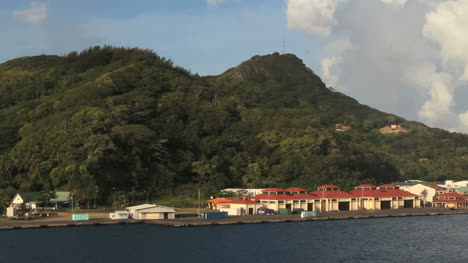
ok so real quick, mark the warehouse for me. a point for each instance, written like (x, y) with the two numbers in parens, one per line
(148, 211)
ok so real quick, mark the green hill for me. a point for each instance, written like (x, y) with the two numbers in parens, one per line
(116, 120)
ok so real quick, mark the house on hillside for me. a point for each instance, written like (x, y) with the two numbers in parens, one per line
(393, 128)
(342, 127)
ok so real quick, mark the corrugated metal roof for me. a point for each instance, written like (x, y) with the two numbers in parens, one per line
(140, 206)
(157, 209)
(61, 196)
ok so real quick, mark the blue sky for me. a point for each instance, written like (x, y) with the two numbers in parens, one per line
(205, 38)
(406, 57)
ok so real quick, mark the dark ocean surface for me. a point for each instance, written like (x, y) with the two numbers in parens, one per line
(400, 239)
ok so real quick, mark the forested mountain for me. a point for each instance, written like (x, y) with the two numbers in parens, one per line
(126, 120)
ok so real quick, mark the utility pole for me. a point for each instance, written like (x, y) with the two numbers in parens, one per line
(198, 210)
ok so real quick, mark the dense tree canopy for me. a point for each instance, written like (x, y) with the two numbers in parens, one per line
(116, 119)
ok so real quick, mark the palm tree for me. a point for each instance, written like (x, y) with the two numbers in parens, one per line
(424, 195)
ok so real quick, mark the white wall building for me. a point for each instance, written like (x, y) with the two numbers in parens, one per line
(244, 191)
(418, 189)
(148, 211)
(451, 183)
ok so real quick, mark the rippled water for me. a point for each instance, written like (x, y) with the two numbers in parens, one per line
(403, 239)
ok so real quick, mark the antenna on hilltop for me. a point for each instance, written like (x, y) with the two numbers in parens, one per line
(284, 46)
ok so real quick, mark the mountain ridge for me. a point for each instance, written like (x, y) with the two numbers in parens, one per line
(127, 120)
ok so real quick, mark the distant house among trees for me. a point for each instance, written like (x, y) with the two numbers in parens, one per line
(342, 127)
(393, 128)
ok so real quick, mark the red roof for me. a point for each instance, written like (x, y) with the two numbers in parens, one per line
(389, 185)
(273, 190)
(450, 201)
(330, 194)
(273, 197)
(303, 196)
(451, 194)
(246, 202)
(223, 200)
(437, 187)
(295, 189)
(327, 186)
(365, 186)
(381, 193)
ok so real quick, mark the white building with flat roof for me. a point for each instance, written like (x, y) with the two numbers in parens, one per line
(151, 211)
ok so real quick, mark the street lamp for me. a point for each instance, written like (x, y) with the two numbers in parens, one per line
(94, 197)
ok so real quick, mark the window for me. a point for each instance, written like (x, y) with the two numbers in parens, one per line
(353, 199)
(303, 201)
(296, 201)
(333, 200)
(264, 201)
(316, 200)
(376, 199)
(272, 202)
(281, 202)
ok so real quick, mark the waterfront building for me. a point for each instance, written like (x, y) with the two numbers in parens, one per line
(151, 211)
(246, 207)
(451, 183)
(31, 200)
(331, 198)
(243, 191)
(325, 199)
(221, 202)
(386, 196)
(451, 200)
(276, 199)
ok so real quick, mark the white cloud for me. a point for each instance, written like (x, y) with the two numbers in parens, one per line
(447, 26)
(437, 111)
(34, 15)
(410, 61)
(315, 17)
(395, 2)
(327, 67)
(463, 117)
(214, 2)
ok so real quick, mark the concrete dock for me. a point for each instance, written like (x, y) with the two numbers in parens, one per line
(249, 219)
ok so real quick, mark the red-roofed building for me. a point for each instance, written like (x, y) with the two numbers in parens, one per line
(389, 186)
(246, 207)
(220, 202)
(328, 187)
(377, 199)
(438, 189)
(365, 186)
(451, 200)
(295, 190)
(326, 198)
(273, 191)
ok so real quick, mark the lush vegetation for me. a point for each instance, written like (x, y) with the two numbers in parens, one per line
(125, 122)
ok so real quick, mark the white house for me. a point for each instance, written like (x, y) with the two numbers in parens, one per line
(30, 199)
(418, 189)
(148, 211)
(451, 183)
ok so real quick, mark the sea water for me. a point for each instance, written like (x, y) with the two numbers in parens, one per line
(399, 239)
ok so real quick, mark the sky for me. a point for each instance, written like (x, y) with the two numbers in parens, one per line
(407, 57)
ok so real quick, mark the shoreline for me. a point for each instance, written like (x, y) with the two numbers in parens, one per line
(249, 219)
